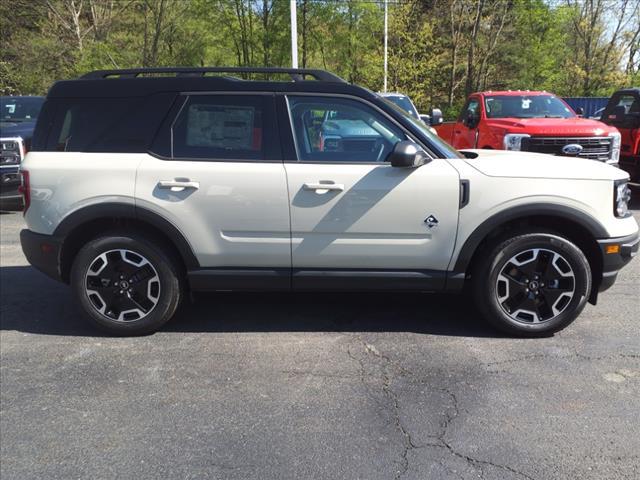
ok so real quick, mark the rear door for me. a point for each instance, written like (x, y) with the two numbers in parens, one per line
(217, 175)
(358, 222)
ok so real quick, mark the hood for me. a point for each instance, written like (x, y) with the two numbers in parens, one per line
(553, 127)
(17, 129)
(506, 163)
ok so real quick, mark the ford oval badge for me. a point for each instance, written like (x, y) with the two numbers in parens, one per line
(572, 149)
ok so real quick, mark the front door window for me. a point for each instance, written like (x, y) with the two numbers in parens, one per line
(341, 130)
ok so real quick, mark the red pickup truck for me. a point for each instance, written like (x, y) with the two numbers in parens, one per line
(623, 112)
(530, 121)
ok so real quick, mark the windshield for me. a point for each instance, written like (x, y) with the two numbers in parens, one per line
(404, 103)
(20, 109)
(525, 106)
(425, 130)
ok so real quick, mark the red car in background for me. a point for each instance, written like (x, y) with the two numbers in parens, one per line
(530, 121)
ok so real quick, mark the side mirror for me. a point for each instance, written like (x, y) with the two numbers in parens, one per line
(425, 118)
(436, 116)
(407, 154)
(580, 111)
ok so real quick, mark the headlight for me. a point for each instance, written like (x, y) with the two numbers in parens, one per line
(11, 151)
(513, 141)
(616, 140)
(621, 198)
(9, 145)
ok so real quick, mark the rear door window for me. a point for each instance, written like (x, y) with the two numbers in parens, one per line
(224, 127)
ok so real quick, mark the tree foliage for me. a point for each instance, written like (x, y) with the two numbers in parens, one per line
(439, 50)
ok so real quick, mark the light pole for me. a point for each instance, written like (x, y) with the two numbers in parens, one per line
(384, 88)
(294, 35)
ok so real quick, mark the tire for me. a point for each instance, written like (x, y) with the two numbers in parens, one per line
(531, 284)
(126, 284)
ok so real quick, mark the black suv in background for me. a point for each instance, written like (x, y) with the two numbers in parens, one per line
(18, 117)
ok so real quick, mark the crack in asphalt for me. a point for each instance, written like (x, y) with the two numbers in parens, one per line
(580, 356)
(311, 373)
(449, 418)
(440, 441)
(386, 377)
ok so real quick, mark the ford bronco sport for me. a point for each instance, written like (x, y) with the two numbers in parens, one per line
(144, 184)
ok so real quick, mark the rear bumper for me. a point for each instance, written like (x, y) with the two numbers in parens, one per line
(612, 263)
(43, 252)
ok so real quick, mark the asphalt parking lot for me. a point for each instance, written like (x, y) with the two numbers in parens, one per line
(314, 386)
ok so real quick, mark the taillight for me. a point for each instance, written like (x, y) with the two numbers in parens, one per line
(25, 190)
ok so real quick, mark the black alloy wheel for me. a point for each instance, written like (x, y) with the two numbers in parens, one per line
(531, 283)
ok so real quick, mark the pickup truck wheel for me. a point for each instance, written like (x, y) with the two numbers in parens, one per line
(126, 284)
(532, 284)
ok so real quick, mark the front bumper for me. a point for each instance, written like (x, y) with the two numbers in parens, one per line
(616, 253)
(43, 252)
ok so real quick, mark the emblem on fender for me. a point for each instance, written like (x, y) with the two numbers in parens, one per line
(431, 221)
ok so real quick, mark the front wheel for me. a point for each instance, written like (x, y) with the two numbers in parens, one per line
(532, 284)
(126, 284)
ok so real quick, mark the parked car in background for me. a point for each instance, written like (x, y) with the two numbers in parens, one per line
(530, 121)
(17, 120)
(144, 185)
(403, 102)
(344, 130)
(623, 112)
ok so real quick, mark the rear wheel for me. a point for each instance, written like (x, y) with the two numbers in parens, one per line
(126, 283)
(532, 284)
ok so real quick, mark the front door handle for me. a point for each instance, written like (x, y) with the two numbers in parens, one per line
(178, 185)
(323, 187)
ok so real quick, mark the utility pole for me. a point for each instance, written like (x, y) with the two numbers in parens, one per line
(294, 35)
(384, 88)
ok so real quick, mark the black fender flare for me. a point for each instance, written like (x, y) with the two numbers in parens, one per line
(130, 212)
(562, 212)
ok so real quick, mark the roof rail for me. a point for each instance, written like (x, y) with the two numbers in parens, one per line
(297, 74)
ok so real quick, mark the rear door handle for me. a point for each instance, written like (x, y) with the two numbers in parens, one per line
(323, 186)
(178, 185)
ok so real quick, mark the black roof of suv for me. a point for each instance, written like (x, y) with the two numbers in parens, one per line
(128, 106)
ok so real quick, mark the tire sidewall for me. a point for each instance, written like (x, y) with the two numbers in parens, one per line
(510, 248)
(165, 268)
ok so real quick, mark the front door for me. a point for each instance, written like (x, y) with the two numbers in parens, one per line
(355, 219)
(224, 187)
(465, 131)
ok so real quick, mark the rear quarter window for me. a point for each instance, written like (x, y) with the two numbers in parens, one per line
(110, 125)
